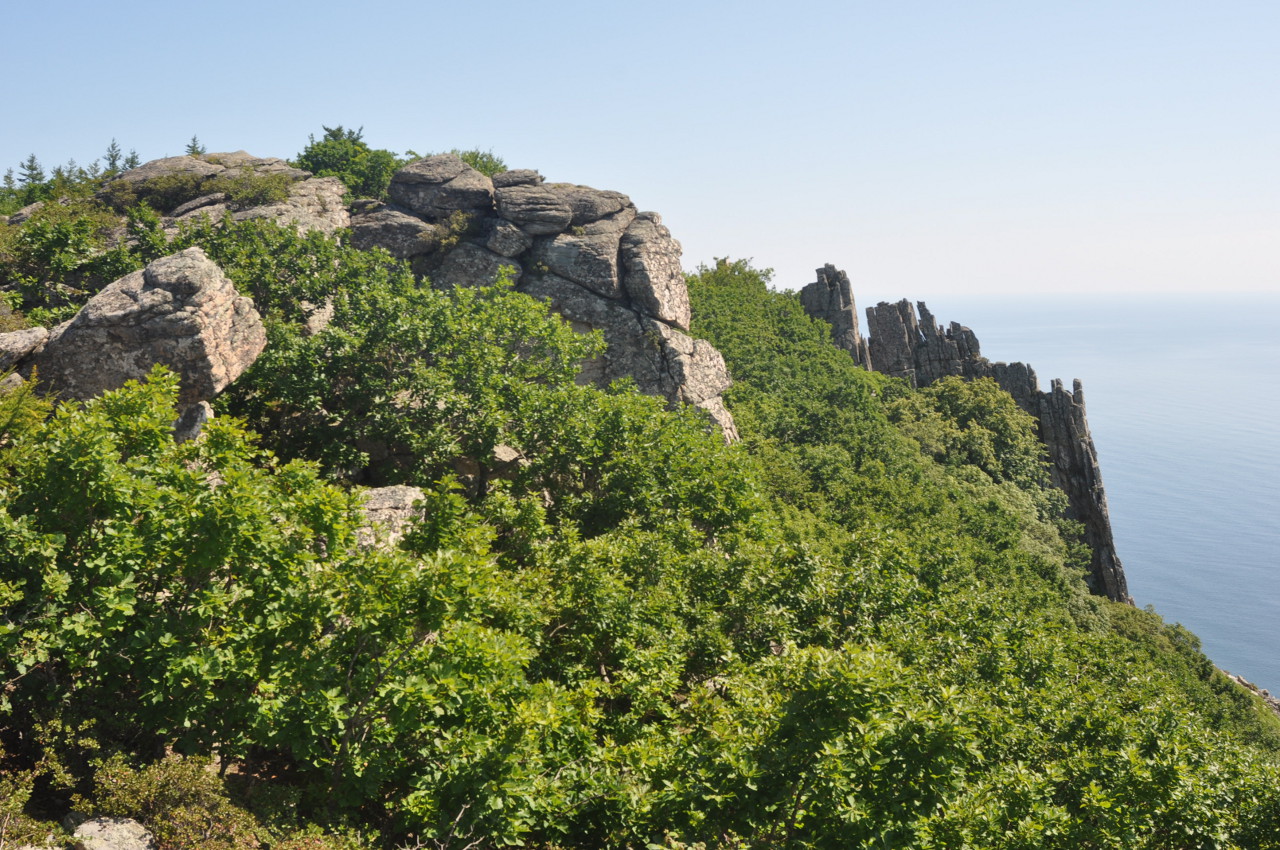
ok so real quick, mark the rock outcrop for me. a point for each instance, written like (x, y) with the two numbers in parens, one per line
(180, 311)
(919, 350)
(830, 298)
(597, 260)
(184, 188)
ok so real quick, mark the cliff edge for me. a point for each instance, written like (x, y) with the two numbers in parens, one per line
(916, 348)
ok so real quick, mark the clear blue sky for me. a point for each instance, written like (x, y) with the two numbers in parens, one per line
(925, 147)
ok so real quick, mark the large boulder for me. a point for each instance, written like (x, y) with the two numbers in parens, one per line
(400, 234)
(471, 265)
(170, 166)
(180, 311)
(539, 210)
(661, 359)
(313, 204)
(599, 261)
(438, 186)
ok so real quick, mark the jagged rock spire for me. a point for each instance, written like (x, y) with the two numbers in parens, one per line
(830, 298)
(919, 350)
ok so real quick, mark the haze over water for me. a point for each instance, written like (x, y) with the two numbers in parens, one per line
(1183, 398)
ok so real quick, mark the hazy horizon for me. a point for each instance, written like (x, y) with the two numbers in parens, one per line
(924, 147)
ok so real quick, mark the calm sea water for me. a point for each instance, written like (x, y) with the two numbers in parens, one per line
(1183, 399)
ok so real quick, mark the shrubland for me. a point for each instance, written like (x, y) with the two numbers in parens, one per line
(865, 625)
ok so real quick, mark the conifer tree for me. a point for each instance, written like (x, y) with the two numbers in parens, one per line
(132, 160)
(113, 157)
(194, 148)
(30, 173)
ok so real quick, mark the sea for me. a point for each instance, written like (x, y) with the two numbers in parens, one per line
(1183, 399)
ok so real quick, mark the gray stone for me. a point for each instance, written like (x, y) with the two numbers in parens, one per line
(721, 417)
(518, 177)
(212, 199)
(237, 162)
(539, 210)
(400, 234)
(437, 186)
(16, 346)
(389, 512)
(471, 265)
(589, 204)
(168, 167)
(192, 421)
(112, 834)
(695, 370)
(651, 274)
(662, 360)
(25, 213)
(1065, 431)
(587, 260)
(180, 311)
(830, 298)
(11, 382)
(318, 316)
(313, 204)
(508, 240)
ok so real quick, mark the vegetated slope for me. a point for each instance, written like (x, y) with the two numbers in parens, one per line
(859, 627)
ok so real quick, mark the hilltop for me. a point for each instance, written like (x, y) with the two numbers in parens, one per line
(359, 500)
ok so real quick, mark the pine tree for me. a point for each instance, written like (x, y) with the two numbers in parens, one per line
(112, 156)
(30, 173)
(132, 160)
(194, 148)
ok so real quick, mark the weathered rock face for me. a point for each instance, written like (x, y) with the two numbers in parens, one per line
(314, 203)
(599, 261)
(112, 834)
(438, 186)
(180, 311)
(17, 345)
(921, 351)
(830, 298)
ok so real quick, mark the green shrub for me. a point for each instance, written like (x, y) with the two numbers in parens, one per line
(343, 154)
(57, 259)
(181, 801)
(250, 189)
(16, 827)
(486, 162)
(162, 193)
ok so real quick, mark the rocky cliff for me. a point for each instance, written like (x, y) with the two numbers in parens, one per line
(916, 348)
(590, 253)
(600, 262)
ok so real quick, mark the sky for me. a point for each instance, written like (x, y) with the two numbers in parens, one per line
(926, 148)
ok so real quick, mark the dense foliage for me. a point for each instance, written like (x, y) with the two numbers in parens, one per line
(863, 626)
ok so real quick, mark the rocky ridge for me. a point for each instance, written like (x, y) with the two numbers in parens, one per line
(916, 348)
(197, 183)
(598, 260)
